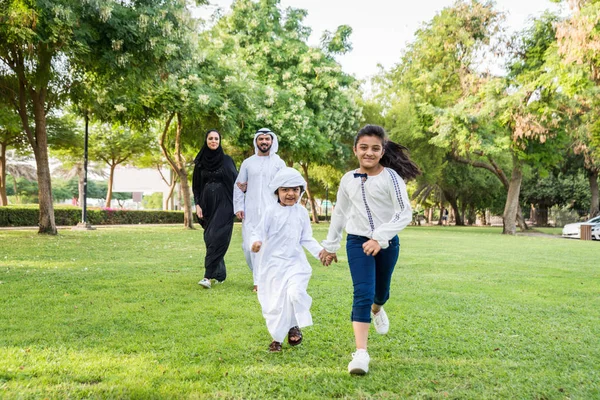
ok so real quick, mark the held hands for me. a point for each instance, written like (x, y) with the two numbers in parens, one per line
(255, 246)
(199, 212)
(243, 186)
(327, 258)
(371, 247)
(240, 215)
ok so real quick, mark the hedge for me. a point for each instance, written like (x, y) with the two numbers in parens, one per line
(71, 216)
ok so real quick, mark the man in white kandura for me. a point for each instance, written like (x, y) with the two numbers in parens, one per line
(251, 194)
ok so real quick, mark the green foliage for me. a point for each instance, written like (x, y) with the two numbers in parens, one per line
(153, 201)
(558, 189)
(27, 191)
(115, 144)
(300, 92)
(473, 188)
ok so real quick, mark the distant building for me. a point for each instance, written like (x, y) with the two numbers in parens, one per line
(144, 181)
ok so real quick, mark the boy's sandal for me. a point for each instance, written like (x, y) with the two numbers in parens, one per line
(274, 347)
(295, 332)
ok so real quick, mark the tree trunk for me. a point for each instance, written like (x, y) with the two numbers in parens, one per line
(511, 208)
(471, 215)
(188, 220)
(463, 212)
(110, 185)
(458, 221)
(34, 97)
(313, 203)
(3, 198)
(541, 215)
(47, 224)
(484, 218)
(497, 171)
(595, 203)
(167, 201)
(177, 163)
(440, 220)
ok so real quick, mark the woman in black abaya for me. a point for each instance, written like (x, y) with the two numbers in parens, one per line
(212, 183)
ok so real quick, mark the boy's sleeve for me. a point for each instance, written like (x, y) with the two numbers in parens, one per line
(307, 240)
(402, 211)
(259, 234)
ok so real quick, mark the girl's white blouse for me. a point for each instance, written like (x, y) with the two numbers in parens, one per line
(376, 207)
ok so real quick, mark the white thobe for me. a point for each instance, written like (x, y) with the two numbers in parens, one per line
(284, 271)
(257, 172)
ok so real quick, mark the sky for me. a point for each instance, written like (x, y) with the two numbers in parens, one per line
(382, 28)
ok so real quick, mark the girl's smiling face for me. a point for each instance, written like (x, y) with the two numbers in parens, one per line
(288, 196)
(369, 150)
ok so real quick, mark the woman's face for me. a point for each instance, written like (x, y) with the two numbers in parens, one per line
(213, 140)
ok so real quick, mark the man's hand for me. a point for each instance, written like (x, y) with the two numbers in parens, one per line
(199, 212)
(371, 247)
(327, 258)
(256, 247)
(240, 215)
(243, 186)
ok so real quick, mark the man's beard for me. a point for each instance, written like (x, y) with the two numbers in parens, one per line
(266, 150)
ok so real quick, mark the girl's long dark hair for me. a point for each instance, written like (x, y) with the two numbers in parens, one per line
(395, 155)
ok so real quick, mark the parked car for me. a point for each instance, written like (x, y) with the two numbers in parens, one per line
(574, 230)
(596, 232)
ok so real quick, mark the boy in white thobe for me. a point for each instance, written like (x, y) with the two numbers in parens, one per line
(255, 175)
(284, 271)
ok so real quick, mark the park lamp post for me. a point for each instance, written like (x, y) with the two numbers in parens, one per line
(84, 225)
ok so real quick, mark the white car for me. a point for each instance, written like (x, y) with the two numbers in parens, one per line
(596, 232)
(574, 230)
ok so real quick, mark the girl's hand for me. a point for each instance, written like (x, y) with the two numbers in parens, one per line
(327, 258)
(243, 186)
(371, 247)
(199, 211)
(256, 247)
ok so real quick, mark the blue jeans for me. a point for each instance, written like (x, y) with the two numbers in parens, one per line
(371, 276)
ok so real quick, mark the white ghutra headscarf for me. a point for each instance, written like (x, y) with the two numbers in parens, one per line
(287, 177)
(266, 131)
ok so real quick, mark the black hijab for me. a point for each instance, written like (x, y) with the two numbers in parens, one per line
(208, 159)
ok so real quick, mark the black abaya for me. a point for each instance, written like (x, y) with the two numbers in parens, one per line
(213, 192)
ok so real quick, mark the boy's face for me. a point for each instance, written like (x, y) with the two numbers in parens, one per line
(288, 196)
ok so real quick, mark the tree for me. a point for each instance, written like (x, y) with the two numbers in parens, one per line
(439, 69)
(116, 144)
(303, 95)
(578, 70)
(44, 46)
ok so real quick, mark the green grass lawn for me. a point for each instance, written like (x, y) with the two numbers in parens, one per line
(117, 313)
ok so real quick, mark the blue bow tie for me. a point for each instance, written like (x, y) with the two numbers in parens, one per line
(363, 176)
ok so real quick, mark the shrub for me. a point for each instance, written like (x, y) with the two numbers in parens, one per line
(29, 216)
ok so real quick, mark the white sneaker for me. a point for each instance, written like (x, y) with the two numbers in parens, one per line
(205, 283)
(381, 322)
(360, 362)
